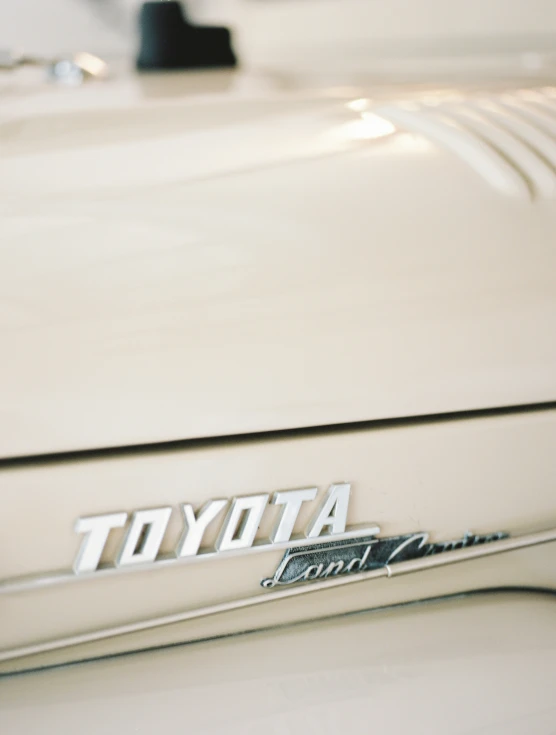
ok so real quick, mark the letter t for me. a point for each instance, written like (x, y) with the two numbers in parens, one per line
(291, 500)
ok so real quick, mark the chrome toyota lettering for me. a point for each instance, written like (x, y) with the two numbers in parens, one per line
(239, 521)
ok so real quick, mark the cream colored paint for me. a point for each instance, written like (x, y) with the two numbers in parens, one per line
(462, 666)
(484, 475)
(334, 37)
(182, 263)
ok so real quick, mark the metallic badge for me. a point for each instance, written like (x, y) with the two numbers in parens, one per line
(328, 547)
(238, 528)
(363, 554)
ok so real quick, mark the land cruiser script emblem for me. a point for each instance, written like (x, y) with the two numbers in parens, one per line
(326, 549)
(360, 555)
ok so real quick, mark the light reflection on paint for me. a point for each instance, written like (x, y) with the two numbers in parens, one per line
(368, 127)
(359, 105)
(413, 143)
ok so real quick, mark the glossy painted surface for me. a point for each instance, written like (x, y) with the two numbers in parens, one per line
(209, 255)
(447, 477)
(466, 666)
(214, 254)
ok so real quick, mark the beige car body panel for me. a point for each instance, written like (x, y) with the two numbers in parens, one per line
(224, 284)
(168, 271)
(463, 666)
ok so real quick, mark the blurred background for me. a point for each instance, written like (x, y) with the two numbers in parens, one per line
(293, 32)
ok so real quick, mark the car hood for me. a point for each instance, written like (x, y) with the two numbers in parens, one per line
(204, 255)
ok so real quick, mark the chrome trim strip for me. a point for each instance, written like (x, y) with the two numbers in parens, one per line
(407, 567)
(47, 579)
